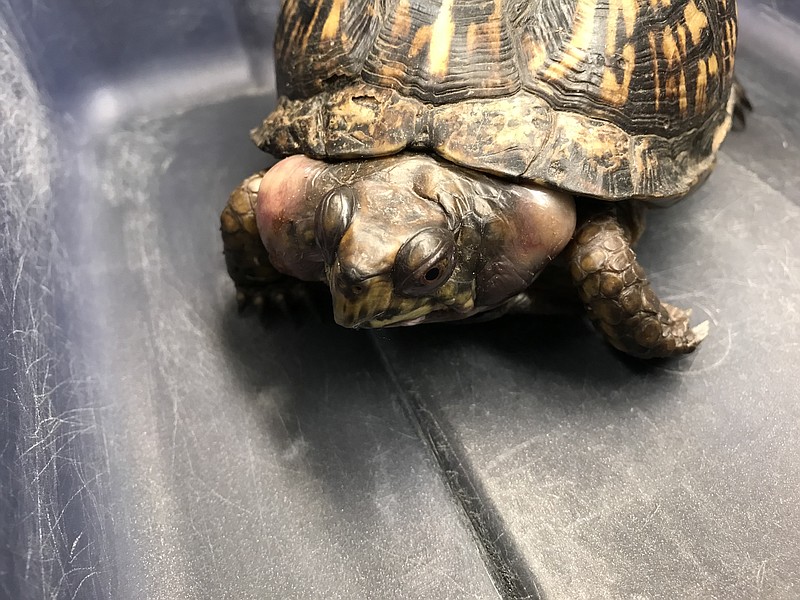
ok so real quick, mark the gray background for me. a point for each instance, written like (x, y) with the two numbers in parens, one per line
(156, 444)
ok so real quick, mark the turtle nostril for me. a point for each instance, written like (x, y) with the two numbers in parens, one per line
(350, 283)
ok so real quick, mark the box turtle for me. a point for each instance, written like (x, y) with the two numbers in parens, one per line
(446, 160)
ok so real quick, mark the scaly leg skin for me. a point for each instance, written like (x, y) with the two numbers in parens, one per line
(257, 282)
(618, 297)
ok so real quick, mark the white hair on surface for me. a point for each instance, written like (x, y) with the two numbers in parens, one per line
(48, 548)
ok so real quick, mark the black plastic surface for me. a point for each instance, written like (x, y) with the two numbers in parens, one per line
(156, 444)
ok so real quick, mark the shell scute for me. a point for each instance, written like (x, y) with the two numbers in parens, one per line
(607, 98)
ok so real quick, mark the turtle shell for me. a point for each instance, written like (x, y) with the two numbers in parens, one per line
(613, 99)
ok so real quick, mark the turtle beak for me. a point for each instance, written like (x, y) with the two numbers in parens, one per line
(351, 314)
(371, 301)
(357, 300)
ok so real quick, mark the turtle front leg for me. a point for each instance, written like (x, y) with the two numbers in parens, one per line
(618, 297)
(257, 281)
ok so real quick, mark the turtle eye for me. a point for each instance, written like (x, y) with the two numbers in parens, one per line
(424, 262)
(331, 220)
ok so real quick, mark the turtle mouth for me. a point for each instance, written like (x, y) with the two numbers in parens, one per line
(415, 317)
(375, 306)
(416, 321)
(371, 303)
(355, 318)
(429, 313)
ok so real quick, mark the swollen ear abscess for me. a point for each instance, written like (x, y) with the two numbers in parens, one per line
(544, 221)
(304, 211)
(283, 191)
(286, 217)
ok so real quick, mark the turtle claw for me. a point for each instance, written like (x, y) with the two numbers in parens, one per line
(701, 331)
(287, 298)
(249, 297)
(741, 106)
(241, 300)
(686, 339)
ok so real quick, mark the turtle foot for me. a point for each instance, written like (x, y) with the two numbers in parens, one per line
(288, 298)
(619, 299)
(245, 255)
(259, 285)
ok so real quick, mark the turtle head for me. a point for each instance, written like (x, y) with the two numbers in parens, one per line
(392, 257)
(410, 239)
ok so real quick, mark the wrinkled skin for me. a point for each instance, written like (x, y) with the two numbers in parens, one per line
(409, 239)
(412, 239)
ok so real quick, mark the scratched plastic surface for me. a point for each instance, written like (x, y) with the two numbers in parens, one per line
(155, 444)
